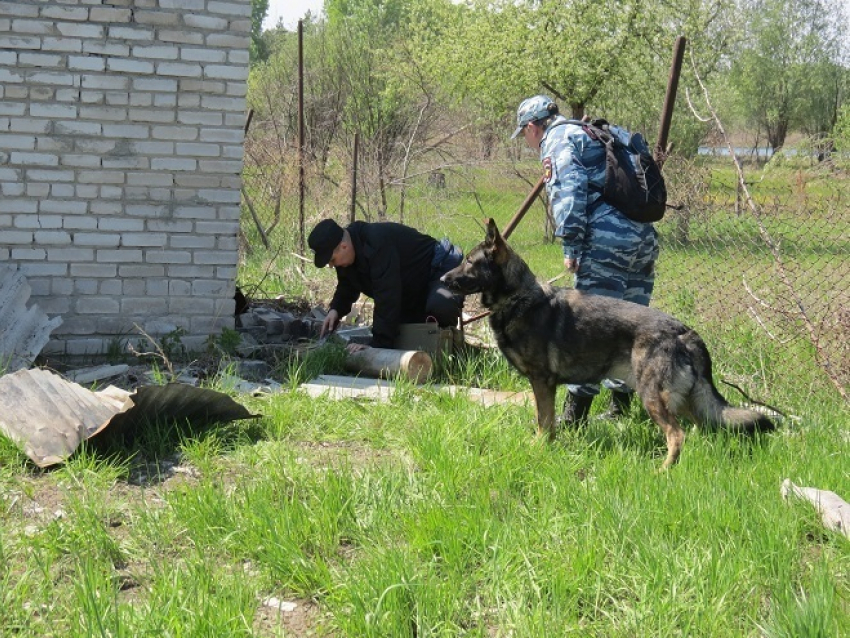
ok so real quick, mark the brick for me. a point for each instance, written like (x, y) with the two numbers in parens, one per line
(54, 305)
(94, 305)
(117, 49)
(191, 271)
(224, 104)
(157, 52)
(100, 177)
(141, 34)
(12, 108)
(226, 72)
(158, 18)
(82, 31)
(134, 163)
(18, 142)
(38, 175)
(105, 82)
(181, 133)
(36, 190)
(156, 287)
(52, 237)
(167, 257)
(61, 207)
(29, 254)
(227, 41)
(21, 10)
(119, 256)
(98, 240)
(138, 178)
(100, 113)
(12, 190)
(123, 65)
(210, 288)
(144, 239)
(214, 257)
(191, 241)
(68, 45)
(181, 37)
(78, 160)
(189, 85)
(124, 131)
(146, 210)
(206, 118)
(110, 14)
(190, 306)
(203, 55)
(94, 270)
(143, 305)
(33, 159)
(159, 116)
(85, 286)
(210, 23)
(70, 127)
(69, 254)
(239, 9)
(141, 270)
(155, 85)
(198, 150)
(38, 221)
(40, 60)
(76, 14)
(180, 69)
(34, 269)
(79, 325)
(188, 7)
(111, 287)
(19, 42)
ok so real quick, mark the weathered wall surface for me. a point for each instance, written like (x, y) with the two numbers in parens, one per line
(121, 128)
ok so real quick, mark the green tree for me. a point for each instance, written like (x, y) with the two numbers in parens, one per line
(258, 49)
(786, 69)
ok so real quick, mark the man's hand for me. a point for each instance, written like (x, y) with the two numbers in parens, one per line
(330, 323)
(355, 347)
(571, 264)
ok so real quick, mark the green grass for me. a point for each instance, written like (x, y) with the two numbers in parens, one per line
(430, 515)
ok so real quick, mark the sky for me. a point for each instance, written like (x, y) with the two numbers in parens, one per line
(291, 11)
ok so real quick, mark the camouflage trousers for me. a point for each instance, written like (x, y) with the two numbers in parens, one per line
(617, 260)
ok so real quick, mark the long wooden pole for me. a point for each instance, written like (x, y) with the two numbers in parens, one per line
(523, 209)
(301, 184)
(669, 100)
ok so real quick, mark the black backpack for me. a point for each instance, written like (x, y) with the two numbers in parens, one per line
(633, 181)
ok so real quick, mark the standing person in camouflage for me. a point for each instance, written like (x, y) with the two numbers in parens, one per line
(608, 253)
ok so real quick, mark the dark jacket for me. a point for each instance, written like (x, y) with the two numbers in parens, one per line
(392, 265)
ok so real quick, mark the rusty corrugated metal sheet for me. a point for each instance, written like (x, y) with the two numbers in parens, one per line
(48, 417)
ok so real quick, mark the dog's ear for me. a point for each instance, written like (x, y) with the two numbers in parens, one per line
(492, 232)
(495, 243)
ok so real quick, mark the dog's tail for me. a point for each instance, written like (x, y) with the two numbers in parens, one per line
(708, 406)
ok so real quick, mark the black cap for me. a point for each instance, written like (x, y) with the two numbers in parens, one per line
(324, 238)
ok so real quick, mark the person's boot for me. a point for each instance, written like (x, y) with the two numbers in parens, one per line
(620, 405)
(576, 410)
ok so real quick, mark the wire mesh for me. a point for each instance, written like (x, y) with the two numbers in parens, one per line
(761, 272)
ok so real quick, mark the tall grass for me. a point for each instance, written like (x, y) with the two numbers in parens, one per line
(431, 515)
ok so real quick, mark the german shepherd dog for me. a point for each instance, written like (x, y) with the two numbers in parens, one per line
(560, 335)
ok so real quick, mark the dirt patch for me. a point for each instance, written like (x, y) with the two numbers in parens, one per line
(297, 618)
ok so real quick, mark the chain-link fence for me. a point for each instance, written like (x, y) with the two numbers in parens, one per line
(760, 270)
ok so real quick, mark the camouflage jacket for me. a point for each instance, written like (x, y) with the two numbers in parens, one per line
(574, 170)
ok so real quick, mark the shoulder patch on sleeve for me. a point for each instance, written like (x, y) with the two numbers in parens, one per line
(547, 169)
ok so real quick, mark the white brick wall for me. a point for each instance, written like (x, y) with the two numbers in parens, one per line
(120, 162)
